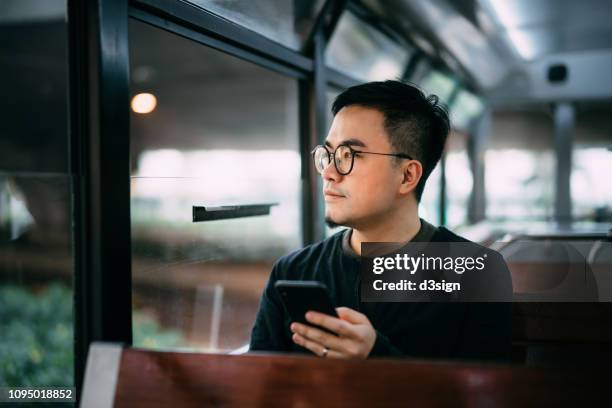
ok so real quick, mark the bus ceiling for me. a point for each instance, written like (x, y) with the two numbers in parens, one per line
(513, 52)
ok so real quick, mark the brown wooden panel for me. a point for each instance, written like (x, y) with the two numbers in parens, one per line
(159, 379)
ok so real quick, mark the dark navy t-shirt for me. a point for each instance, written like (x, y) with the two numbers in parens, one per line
(480, 331)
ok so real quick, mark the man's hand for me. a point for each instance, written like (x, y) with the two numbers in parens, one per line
(355, 334)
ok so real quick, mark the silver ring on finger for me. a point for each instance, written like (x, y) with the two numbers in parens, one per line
(325, 351)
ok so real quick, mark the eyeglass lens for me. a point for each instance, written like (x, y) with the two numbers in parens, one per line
(343, 157)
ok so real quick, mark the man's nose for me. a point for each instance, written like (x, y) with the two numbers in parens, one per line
(330, 172)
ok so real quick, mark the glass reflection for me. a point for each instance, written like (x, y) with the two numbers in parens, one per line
(224, 132)
(36, 319)
(36, 261)
(365, 53)
(286, 22)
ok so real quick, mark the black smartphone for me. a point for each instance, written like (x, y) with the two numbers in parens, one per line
(302, 296)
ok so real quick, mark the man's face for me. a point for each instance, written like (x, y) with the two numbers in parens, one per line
(368, 193)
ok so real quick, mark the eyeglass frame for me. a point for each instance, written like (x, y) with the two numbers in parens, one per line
(353, 153)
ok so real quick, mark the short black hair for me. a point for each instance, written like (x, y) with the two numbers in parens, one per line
(417, 125)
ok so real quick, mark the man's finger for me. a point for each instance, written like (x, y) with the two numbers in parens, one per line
(338, 326)
(315, 347)
(351, 315)
(317, 335)
(308, 344)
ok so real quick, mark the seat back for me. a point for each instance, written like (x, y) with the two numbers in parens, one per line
(151, 378)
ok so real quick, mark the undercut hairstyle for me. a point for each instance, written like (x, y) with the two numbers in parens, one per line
(417, 125)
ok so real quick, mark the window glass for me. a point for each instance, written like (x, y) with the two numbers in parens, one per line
(36, 309)
(520, 166)
(590, 183)
(466, 107)
(286, 22)
(429, 207)
(438, 84)
(363, 52)
(458, 180)
(519, 184)
(592, 162)
(223, 133)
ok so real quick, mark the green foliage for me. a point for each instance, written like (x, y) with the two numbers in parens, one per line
(148, 334)
(36, 344)
(36, 336)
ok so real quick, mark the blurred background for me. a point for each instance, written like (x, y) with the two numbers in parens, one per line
(529, 156)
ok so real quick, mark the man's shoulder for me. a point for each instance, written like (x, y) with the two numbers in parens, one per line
(309, 254)
(443, 234)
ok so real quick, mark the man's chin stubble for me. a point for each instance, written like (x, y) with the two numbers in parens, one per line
(331, 224)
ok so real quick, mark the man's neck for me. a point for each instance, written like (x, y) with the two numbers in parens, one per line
(395, 229)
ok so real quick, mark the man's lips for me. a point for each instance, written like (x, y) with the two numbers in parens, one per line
(331, 193)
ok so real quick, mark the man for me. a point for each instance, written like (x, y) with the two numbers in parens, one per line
(384, 142)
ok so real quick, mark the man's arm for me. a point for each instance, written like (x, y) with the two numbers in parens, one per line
(268, 333)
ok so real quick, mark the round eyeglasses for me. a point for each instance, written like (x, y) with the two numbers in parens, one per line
(344, 157)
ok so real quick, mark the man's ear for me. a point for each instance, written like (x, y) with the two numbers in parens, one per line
(412, 171)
